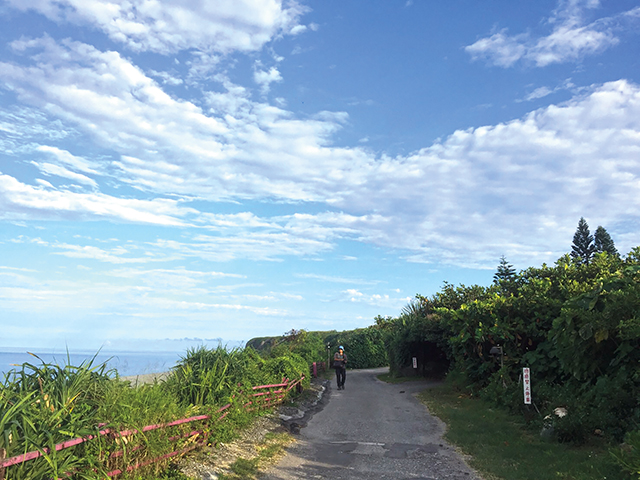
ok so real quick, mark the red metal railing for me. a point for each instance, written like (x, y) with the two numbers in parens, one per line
(317, 368)
(265, 396)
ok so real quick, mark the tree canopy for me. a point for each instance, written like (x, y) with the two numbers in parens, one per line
(505, 276)
(583, 247)
(505, 271)
(604, 243)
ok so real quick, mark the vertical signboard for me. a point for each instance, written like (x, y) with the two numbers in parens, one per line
(415, 362)
(526, 380)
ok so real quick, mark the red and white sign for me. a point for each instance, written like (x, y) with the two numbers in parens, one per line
(415, 362)
(526, 380)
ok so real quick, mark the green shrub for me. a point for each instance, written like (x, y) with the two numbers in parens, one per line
(290, 366)
(628, 455)
(576, 326)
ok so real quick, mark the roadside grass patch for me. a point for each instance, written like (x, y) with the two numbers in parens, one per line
(268, 451)
(501, 446)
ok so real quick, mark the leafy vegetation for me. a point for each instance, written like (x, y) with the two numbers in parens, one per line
(364, 346)
(576, 324)
(42, 405)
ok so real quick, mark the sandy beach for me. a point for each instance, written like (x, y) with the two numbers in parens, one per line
(146, 378)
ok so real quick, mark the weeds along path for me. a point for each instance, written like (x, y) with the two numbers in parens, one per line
(372, 430)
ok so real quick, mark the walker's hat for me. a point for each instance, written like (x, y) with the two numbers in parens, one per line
(340, 347)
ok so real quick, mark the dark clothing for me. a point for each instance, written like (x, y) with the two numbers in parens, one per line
(339, 363)
(339, 359)
(341, 376)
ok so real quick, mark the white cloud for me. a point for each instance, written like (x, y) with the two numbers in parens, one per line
(167, 78)
(126, 111)
(62, 296)
(116, 255)
(335, 279)
(376, 300)
(261, 245)
(178, 306)
(499, 48)
(176, 272)
(128, 254)
(19, 200)
(266, 78)
(65, 157)
(539, 92)
(57, 170)
(79, 303)
(545, 91)
(570, 40)
(223, 26)
(21, 127)
(568, 43)
(298, 29)
(174, 281)
(466, 200)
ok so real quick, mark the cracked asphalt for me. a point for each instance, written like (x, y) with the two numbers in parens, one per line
(372, 430)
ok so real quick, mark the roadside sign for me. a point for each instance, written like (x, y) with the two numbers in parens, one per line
(526, 380)
(415, 362)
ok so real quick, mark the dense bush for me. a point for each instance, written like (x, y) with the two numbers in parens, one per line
(365, 347)
(576, 325)
(288, 367)
(308, 345)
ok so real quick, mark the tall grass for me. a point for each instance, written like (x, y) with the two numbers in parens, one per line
(42, 405)
(205, 377)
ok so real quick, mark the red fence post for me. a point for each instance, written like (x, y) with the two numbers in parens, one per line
(3, 453)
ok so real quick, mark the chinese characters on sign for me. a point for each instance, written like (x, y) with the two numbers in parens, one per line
(526, 379)
(415, 362)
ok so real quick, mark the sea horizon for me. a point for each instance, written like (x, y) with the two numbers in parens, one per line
(124, 362)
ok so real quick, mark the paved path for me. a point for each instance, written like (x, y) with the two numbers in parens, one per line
(372, 430)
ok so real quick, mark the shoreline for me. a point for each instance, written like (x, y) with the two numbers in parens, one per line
(146, 378)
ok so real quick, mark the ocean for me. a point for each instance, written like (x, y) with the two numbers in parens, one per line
(126, 363)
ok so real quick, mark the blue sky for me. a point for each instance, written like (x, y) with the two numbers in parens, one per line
(239, 168)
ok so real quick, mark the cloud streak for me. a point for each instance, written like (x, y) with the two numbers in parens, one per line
(22, 201)
(570, 40)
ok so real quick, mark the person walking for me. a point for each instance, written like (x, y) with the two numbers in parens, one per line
(339, 363)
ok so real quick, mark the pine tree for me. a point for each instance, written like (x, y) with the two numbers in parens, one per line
(583, 247)
(505, 271)
(604, 243)
(505, 277)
